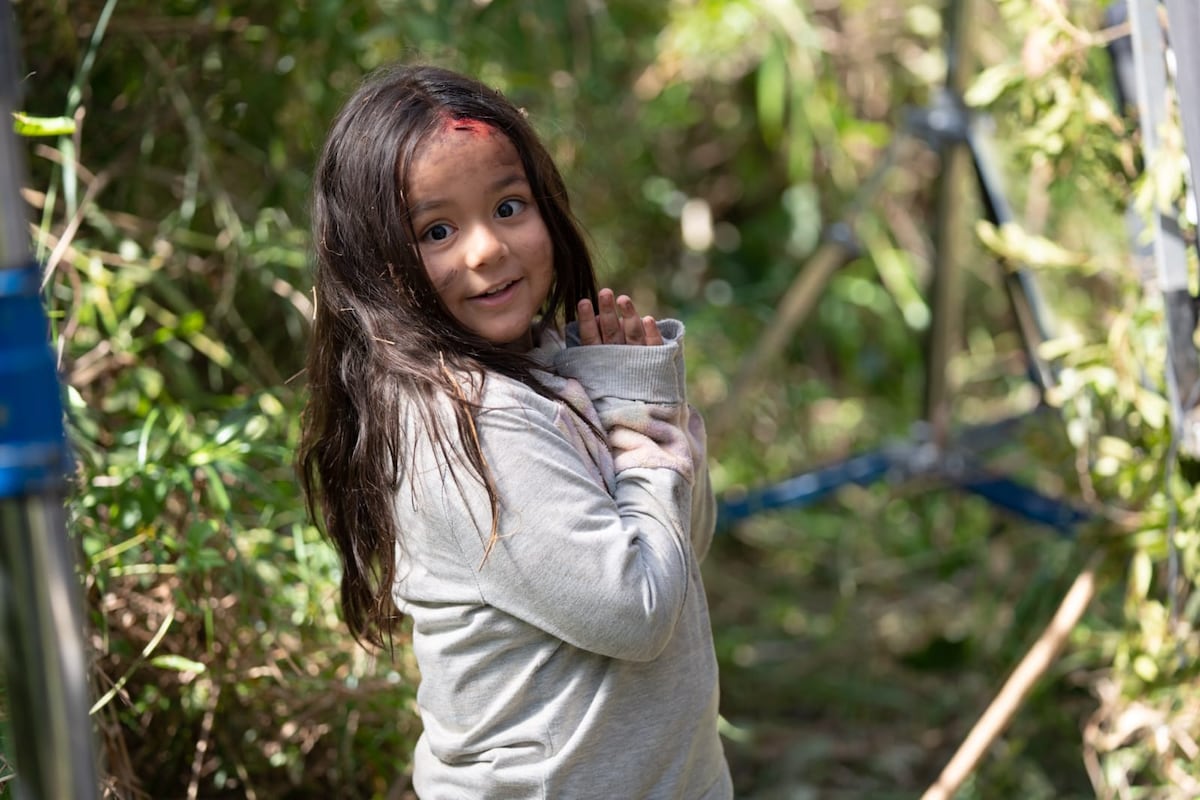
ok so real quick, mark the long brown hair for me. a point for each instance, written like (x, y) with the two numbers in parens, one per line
(382, 339)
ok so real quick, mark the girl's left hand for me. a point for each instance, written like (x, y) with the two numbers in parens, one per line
(610, 327)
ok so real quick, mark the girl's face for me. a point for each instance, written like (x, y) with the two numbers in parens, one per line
(483, 241)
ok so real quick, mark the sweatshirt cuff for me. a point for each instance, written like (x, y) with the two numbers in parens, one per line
(644, 374)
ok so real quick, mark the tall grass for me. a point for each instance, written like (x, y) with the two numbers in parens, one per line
(858, 640)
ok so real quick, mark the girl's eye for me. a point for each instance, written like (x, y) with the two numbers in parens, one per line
(509, 208)
(436, 233)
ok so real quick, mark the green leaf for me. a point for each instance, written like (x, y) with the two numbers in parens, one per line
(1145, 668)
(992, 83)
(1011, 241)
(216, 489)
(25, 125)
(1154, 408)
(1140, 572)
(771, 93)
(177, 663)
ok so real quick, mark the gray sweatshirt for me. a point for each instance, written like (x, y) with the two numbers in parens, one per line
(576, 659)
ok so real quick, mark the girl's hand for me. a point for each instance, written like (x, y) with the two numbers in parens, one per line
(609, 327)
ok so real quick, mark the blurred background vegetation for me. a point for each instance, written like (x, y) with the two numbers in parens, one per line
(708, 144)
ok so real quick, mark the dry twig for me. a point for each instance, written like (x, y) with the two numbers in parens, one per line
(1035, 663)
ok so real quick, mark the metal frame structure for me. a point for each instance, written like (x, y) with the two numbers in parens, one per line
(1168, 272)
(41, 620)
(934, 452)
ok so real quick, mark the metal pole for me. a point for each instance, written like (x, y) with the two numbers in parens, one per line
(946, 289)
(41, 620)
(1169, 250)
(1183, 25)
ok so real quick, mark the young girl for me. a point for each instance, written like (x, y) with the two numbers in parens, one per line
(534, 497)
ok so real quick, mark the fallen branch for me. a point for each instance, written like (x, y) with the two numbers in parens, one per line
(1035, 663)
(793, 309)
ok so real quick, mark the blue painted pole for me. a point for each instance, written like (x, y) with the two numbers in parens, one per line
(41, 620)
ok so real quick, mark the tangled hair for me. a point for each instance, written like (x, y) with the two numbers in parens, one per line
(382, 341)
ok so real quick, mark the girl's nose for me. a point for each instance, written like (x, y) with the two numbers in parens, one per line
(484, 247)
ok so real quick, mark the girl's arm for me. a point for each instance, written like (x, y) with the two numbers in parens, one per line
(704, 503)
(616, 322)
(608, 574)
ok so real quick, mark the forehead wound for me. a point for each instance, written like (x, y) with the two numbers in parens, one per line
(469, 125)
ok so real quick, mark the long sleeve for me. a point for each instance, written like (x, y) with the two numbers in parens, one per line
(704, 503)
(607, 573)
(656, 376)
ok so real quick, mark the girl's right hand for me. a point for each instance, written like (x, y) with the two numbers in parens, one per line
(610, 327)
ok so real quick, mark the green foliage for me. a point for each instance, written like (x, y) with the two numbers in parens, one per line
(7, 773)
(708, 144)
(176, 283)
(25, 125)
(1140, 741)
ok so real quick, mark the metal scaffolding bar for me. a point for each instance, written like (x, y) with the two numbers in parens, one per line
(41, 620)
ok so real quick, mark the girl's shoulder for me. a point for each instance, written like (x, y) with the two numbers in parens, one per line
(487, 393)
(500, 392)
(437, 436)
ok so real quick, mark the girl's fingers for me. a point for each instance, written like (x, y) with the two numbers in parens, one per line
(614, 320)
(653, 336)
(610, 323)
(589, 331)
(631, 322)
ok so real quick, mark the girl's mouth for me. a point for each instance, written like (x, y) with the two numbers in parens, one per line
(498, 294)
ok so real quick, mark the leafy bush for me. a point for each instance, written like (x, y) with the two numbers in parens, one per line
(708, 143)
